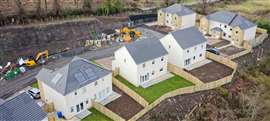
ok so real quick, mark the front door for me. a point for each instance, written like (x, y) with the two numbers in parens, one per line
(81, 106)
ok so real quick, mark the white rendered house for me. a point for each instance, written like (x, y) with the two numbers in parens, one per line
(141, 61)
(72, 87)
(185, 47)
(177, 16)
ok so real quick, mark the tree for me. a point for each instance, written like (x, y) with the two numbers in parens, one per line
(204, 5)
(56, 8)
(87, 5)
(38, 9)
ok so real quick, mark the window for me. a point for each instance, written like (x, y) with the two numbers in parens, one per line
(153, 72)
(236, 32)
(195, 48)
(225, 26)
(160, 14)
(167, 21)
(200, 55)
(169, 46)
(229, 36)
(162, 59)
(220, 25)
(125, 60)
(161, 69)
(187, 51)
(194, 58)
(231, 29)
(202, 46)
(96, 83)
(143, 65)
(153, 62)
(86, 102)
(75, 93)
(224, 34)
(175, 18)
(72, 109)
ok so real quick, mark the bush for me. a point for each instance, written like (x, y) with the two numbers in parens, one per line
(265, 24)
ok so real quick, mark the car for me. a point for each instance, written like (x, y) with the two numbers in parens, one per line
(213, 50)
(34, 93)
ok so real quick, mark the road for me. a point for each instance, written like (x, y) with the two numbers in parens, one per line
(8, 88)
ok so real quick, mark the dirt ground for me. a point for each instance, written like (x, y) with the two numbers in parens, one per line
(175, 108)
(231, 50)
(164, 29)
(211, 72)
(124, 106)
(106, 62)
(221, 43)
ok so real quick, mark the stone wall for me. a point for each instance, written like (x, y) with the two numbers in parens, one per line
(23, 41)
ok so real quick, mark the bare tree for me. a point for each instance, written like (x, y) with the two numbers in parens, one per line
(56, 7)
(38, 9)
(87, 5)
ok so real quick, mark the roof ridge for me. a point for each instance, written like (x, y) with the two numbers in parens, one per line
(233, 19)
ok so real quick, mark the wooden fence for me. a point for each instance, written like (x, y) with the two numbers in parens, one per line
(107, 112)
(184, 74)
(223, 60)
(130, 92)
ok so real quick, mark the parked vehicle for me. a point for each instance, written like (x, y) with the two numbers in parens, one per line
(213, 50)
(35, 93)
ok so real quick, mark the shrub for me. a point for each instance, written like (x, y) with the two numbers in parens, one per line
(265, 24)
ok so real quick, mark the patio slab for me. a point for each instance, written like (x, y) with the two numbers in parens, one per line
(157, 80)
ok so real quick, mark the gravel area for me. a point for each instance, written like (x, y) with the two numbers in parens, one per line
(124, 106)
(221, 43)
(211, 72)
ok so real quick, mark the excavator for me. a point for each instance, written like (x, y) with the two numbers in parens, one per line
(129, 34)
(41, 58)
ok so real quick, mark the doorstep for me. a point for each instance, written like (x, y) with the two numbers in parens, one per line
(81, 115)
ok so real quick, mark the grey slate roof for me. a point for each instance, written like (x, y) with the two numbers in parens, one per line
(77, 73)
(1, 101)
(188, 37)
(21, 108)
(231, 19)
(145, 50)
(178, 9)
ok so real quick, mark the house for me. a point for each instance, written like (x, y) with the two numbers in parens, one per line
(177, 16)
(141, 61)
(22, 108)
(229, 26)
(185, 46)
(72, 87)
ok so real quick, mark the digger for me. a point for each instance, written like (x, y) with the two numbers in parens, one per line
(41, 58)
(129, 34)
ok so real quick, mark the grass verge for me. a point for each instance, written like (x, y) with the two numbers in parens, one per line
(96, 116)
(35, 85)
(153, 92)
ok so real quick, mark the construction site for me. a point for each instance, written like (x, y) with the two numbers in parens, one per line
(214, 86)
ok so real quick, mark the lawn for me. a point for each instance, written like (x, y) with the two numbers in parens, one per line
(96, 116)
(153, 92)
(35, 85)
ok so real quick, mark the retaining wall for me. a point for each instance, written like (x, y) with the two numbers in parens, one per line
(107, 112)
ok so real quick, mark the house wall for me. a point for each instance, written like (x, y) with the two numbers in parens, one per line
(195, 54)
(204, 25)
(238, 36)
(174, 50)
(127, 66)
(161, 17)
(168, 20)
(177, 21)
(249, 34)
(227, 30)
(177, 55)
(98, 92)
(188, 21)
(154, 68)
(51, 96)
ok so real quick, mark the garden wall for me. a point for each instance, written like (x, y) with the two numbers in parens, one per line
(130, 92)
(107, 112)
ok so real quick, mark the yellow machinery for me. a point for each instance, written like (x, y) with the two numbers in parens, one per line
(41, 58)
(129, 34)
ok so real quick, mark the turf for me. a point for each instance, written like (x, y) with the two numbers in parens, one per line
(153, 92)
(96, 116)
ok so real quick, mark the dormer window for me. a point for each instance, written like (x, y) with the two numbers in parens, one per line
(153, 62)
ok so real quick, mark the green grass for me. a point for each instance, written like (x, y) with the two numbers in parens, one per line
(96, 116)
(153, 92)
(35, 85)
